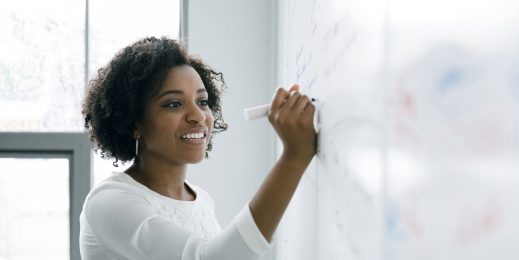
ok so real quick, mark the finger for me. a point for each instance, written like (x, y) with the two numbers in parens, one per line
(292, 99)
(293, 88)
(301, 103)
(279, 98)
(308, 113)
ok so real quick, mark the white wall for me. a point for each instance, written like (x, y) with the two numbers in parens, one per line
(237, 38)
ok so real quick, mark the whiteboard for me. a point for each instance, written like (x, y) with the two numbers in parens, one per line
(419, 129)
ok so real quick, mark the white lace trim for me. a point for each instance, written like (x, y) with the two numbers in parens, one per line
(198, 220)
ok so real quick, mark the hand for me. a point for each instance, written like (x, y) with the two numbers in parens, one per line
(291, 114)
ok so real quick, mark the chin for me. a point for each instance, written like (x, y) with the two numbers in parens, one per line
(198, 161)
(195, 159)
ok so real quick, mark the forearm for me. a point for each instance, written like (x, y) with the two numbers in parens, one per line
(272, 198)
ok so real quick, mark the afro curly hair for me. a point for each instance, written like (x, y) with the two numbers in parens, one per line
(116, 98)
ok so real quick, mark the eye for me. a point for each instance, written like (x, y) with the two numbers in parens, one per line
(204, 102)
(173, 104)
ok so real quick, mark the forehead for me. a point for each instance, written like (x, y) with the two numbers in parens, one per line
(184, 78)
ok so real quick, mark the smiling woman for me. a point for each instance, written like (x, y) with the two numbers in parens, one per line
(162, 128)
(134, 83)
(158, 106)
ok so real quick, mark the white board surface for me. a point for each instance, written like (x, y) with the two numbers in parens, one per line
(419, 139)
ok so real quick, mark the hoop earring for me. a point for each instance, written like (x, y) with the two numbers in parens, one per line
(136, 147)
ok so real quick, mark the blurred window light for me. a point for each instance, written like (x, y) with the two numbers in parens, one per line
(48, 48)
(35, 224)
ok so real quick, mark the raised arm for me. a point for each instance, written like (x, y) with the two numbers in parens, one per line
(291, 116)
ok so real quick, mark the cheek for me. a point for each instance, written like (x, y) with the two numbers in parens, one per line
(163, 128)
(210, 119)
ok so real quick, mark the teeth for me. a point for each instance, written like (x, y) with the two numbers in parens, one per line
(193, 136)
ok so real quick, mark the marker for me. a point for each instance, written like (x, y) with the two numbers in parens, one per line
(256, 112)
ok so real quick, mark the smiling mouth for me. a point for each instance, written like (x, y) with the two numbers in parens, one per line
(193, 137)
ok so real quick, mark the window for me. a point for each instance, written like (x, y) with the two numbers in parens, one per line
(49, 50)
(35, 224)
(42, 66)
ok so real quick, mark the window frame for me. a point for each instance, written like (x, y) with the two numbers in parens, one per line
(77, 147)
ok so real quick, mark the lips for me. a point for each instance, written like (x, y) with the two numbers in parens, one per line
(193, 136)
(196, 135)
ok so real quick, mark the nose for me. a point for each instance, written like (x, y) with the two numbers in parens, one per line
(195, 114)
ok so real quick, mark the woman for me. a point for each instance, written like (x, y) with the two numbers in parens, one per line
(158, 106)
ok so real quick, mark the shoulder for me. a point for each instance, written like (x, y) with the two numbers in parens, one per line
(118, 182)
(117, 189)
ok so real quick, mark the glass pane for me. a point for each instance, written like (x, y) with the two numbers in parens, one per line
(112, 31)
(34, 209)
(42, 66)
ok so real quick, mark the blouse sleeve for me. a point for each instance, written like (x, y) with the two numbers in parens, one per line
(127, 227)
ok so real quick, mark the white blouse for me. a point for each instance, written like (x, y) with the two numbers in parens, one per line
(123, 219)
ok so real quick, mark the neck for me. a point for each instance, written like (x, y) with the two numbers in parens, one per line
(165, 179)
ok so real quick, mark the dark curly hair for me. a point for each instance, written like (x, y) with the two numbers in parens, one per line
(116, 98)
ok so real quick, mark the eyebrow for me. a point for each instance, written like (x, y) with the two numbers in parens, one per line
(180, 92)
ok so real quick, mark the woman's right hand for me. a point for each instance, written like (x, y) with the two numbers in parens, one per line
(291, 114)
